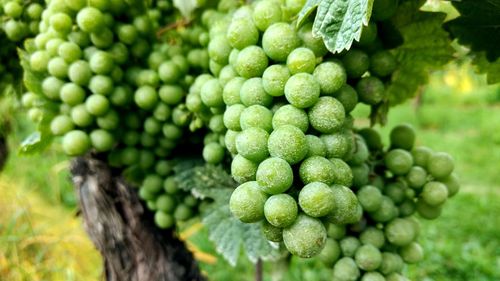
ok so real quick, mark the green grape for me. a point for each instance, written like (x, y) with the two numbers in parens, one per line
(301, 60)
(51, 87)
(243, 170)
(400, 232)
(274, 79)
(386, 212)
(219, 49)
(226, 74)
(440, 165)
(396, 277)
(279, 40)
(368, 257)
(342, 172)
(252, 144)
(360, 175)
(231, 92)
(317, 169)
(216, 124)
(251, 62)
(247, 202)
(372, 138)
(327, 115)
(165, 203)
(346, 270)
(347, 96)
(407, 208)
(306, 237)
(242, 33)
(331, 77)
(302, 90)
(416, 177)
(356, 63)
(316, 147)
(164, 220)
(265, 14)
(346, 206)
(90, 19)
(402, 136)
(287, 142)
(213, 153)
(97, 105)
(330, 253)
(80, 116)
(372, 236)
(398, 161)
(169, 72)
(182, 212)
(252, 92)
(146, 97)
(290, 115)
(452, 184)
(421, 155)
(79, 72)
(337, 144)
(170, 186)
(274, 175)
(256, 116)
(271, 232)
(230, 141)
(361, 153)
(317, 199)
(382, 63)
(370, 198)
(391, 263)
(232, 117)
(434, 193)
(101, 140)
(101, 85)
(58, 67)
(396, 191)
(76, 143)
(412, 253)
(371, 90)
(281, 210)
(61, 124)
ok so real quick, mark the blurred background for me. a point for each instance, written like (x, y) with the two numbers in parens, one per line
(41, 236)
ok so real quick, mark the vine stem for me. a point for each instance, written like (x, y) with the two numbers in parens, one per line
(258, 270)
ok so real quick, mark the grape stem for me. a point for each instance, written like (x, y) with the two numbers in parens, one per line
(258, 270)
(180, 23)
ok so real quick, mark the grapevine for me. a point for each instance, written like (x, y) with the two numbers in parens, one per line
(243, 110)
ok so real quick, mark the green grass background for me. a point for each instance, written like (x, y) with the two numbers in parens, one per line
(41, 238)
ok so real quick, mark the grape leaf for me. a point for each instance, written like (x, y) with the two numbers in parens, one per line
(228, 233)
(338, 22)
(426, 46)
(491, 69)
(478, 26)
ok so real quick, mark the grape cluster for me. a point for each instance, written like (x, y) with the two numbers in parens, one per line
(18, 20)
(395, 185)
(110, 86)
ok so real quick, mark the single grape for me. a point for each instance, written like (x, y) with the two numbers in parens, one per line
(279, 40)
(256, 116)
(317, 199)
(213, 153)
(75, 143)
(342, 172)
(370, 198)
(242, 169)
(346, 206)
(317, 169)
(337, 144)
(356, 63)
(247, 202)
(434, 193)
(400, 232)
(242, 33)
(399, 161)
(252, 144)
(306, 237)
(281, 210)
(301, 60)
(452, 184)
(421, 155)
(391, 263)
(386, 212)
(274, 79)
(316, 147)
(368, 257)
(61, 124)
(346, 270)
(402, 136)
(287, 142)
(327, 115)
(252, 92)
(302, 90)
(330, 253)
(372, 236)
(371, 90)
(266, 13)
(251, 62)
(331, 77)
(290, 115)
(440, 165)
(412, 253)
(271, 232)
(274, 175)
(416, 177)
(382, 63)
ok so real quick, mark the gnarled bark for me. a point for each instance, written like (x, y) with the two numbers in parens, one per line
(116, 221)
